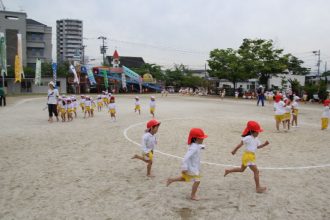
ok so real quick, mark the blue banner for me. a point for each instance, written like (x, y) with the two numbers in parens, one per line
(90, 74)
(54, 67)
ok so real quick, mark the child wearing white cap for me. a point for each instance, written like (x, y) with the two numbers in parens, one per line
(137, 105)
(152, 106)
(99, 103)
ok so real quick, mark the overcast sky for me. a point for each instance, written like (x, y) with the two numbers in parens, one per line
(184, 31)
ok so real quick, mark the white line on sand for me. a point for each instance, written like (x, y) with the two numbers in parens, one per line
(219, 164)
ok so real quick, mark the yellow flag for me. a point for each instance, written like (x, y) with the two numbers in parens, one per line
(18, 75)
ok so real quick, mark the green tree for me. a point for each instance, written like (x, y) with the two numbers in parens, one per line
(227, 64)
(295, 66)
(262, 59)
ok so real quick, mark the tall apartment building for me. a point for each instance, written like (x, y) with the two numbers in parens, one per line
(36, 38)
(69, 35)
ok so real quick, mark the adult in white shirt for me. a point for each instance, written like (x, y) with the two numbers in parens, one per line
(52, 101)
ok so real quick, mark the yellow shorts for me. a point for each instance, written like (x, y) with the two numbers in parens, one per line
(148, 156)
(70, 110)
(112, 111)
(279, 117)
(99, 104)
(88, 108)
(248, 158)
(295, 112)
(191, 178)
(137, 107)
(105, 100)
(63, 111)
(82, 105)
(152, 110)
(287, 116)
(325, 123)
(74, 109)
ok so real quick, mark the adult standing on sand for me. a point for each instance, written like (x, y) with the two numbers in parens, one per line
(52, 101)
(261, 95)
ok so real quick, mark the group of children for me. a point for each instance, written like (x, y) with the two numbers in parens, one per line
(190, 171)
(286, 111)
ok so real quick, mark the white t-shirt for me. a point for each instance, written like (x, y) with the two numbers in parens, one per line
(295, 105)
(152, 104)
(326, 112)
(191, 161)
(149, 142)
(137, 102)
(83, 101)
(70, 106)
(52, 96)
(251, 143)
(288, 108)
(88, 103)
(279, 108)
(112, 106)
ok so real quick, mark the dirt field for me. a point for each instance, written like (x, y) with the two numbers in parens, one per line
(82, 169)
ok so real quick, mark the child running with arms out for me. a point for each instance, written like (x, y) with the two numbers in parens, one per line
(191, 161)
(252, 143)
(149, 143)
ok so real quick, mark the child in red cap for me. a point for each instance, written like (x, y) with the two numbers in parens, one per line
(149, 143)
(191, 161)
(252, 143)
(325, 114)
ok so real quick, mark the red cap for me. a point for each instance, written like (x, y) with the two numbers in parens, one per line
(196, 133)
(152, 123)
(278, 98)
(326, 102)
(252, 126)
(112, 98)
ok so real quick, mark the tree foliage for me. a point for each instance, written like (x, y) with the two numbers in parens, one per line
(227, 64)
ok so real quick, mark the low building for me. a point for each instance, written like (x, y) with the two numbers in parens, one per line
(27, 86)
(248, 85)
(283, 80)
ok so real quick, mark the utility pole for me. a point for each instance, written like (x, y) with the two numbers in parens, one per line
(318, 53)
(103, 48)
(325, 67)
(83, 53)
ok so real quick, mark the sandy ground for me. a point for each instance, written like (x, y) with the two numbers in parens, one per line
(83, 170)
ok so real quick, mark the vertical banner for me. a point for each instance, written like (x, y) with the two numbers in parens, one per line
(90, 75)
(37, 80)
(123, 80)
(105, 75)
(3, 54)
(73, 70)
(18, 75)
(20, 53)
(54, 68)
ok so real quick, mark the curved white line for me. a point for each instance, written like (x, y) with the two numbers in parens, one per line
(218, 164)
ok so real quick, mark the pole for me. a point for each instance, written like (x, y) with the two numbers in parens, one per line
(319, 63)
(83, 53)
(103, 47)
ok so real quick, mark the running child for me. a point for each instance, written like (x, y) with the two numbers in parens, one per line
(137, 105)
(75, 105)
(325, 114)
(63, 108)
(295, 111)
(287, 113)
(279, 109)
(69, 109)
(152, 106)
(82, 102)
(88, 106)
(191, 161)
(112, 108)
(252, 143)
(149, 143)
(99, 103)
